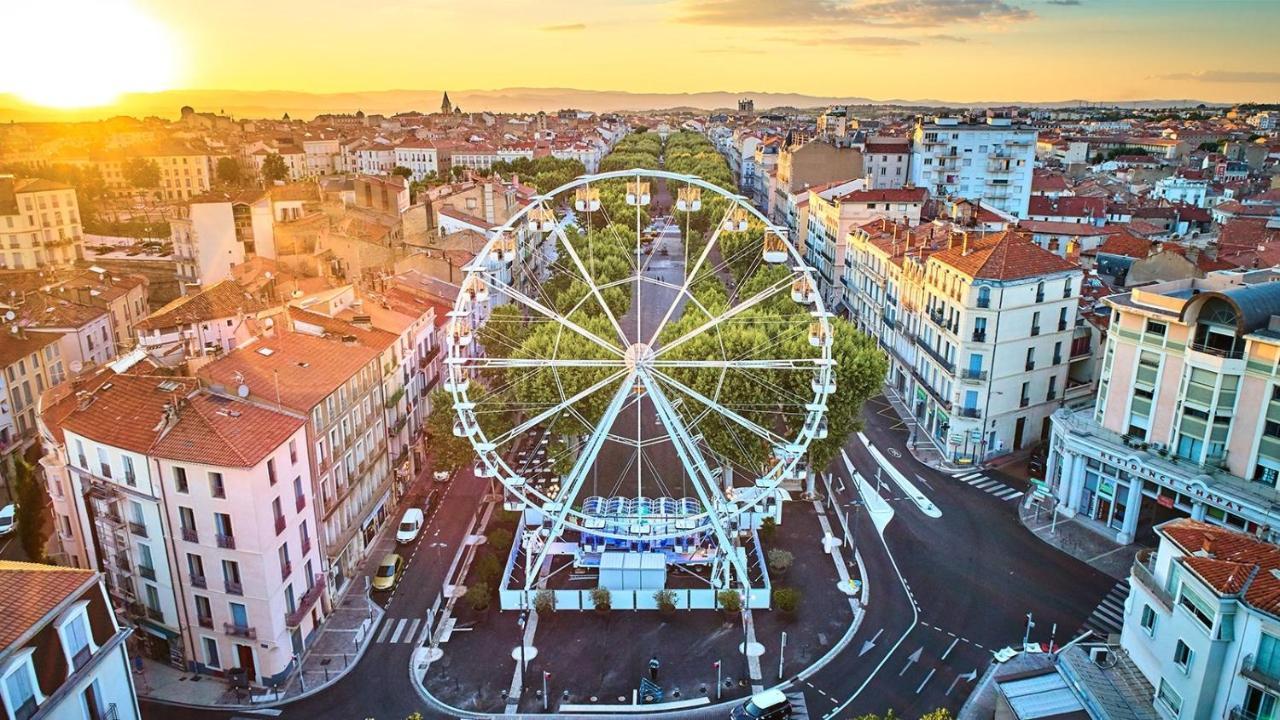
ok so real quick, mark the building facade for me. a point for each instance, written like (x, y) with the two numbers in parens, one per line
(39, 224)
(991, 160)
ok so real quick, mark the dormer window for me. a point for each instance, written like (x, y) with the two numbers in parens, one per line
(77, 641)
(18, 683)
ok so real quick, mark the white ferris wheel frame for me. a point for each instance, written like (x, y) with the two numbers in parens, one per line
(718, 506)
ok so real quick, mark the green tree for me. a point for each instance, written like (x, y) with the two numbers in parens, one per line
(274, 168)
(30, 497)
(448, 452)
(402, 171)
(142, 172)
(228, 171)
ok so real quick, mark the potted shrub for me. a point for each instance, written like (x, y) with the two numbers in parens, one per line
(768, 528)
(478, 596)
(786, 600)
(666, 600)
(730, 602)
(488, 568)
(544, 602)
(780, 561)
(499, 539)
(602, 599)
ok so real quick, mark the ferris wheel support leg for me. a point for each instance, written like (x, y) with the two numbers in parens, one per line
(572, 484)
(699, 474)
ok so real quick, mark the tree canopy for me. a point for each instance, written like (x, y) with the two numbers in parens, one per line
(274, 168)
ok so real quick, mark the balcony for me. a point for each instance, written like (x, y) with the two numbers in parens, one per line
(243, 631)
(147, 572)
(1031, 365)
(1062, 325)
(1144, 571)
(971, 375)
(205, 621)
(1057, 359)
(199, 581)
(1035, 330)
(155, 614)
(226, 541)
(294, 619)
(306, 545)
(1079, 351)
(190, 535)
(979, 336)
(970, 412)
(1263, 675)
(941, 360)
(137, 528)
(1024, 402)
(984, 303)
(300, 502)
(286, 569)
(234, 587)
(281, 523)
(1230, 354)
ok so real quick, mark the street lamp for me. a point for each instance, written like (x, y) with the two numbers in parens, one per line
(524, 618)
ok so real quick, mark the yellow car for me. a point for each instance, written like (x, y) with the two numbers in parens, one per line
(388, 572)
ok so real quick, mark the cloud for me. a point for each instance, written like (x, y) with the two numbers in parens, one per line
(949, 38)
(1225, 76)
(869, 13)
(567, 27)
(1063, 3)
(872, 41)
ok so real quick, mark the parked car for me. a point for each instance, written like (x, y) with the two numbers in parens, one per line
(441, 476)
(388, 572)
(767, 705)
(410, 526)
(8, 519)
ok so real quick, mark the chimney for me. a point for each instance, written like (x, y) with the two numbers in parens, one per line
(964, 246)
(1208, 545)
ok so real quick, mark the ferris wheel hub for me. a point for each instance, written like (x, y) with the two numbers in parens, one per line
(639, 357)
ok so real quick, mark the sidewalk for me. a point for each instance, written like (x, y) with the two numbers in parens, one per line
(919, 443)
(1077, 539)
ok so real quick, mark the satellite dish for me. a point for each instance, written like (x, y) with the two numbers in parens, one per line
(9, 315)
(243, 391)
(267, 275)
(76, 366)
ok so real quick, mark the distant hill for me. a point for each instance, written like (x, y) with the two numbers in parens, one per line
(275, 103)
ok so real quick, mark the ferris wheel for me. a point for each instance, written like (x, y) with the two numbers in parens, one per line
(640, 358)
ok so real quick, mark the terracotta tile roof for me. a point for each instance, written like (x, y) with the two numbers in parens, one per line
(1058, 227)
(1045, 182)
(219, 430)
(224, 299)
(13, 347)
(39, 185)
(1125, 244)
(900, 195)
(338, 327)
(1232, 563)
(1006, 255)
(30, 591)
(1067, 206)
(303, 368)
(126, 411)
(1248, 233)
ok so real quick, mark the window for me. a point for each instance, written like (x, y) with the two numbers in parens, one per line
(1182, 656)
(130, 477)
(216, 486)
(74, 631)
(22, 694)
(271, 470)
(211, 653)
(1149, 620)
(1195, 605)
(104, 462)
(293, 451)
(1156, 328)
(180, 479)
(1168, 699)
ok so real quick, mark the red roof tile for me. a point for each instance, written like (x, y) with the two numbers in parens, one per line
(218, 430)
(1006, 255)
(30, 591)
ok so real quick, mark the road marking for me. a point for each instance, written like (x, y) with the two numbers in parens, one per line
(922, 502)
(413, 630)
(926, 680)
(382, 634)
(426, 631)
(975, 481)
(949, 649)
(971, 476)
(1011, 495)
(986, 484)
(395, 636)
(912, 659)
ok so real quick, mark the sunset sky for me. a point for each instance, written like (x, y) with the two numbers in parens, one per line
(959, 50)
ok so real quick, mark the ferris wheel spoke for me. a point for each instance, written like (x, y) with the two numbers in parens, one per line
(550, 412)
(755, 428)
(700, 475)
(727, 315)
(591, 283)
(742, 364)
(688, 278)
(484, 362)
(571, 485)
(543, 310)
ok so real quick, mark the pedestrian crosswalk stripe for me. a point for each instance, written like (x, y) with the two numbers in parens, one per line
(970, 476)
(413, 630)
(382, 635)
(395, 636)
(986, 485)
(426, 633)
(1010, 494)
(1108, 616)
(978, 480)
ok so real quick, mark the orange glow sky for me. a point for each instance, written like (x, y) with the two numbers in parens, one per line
(1032, 50)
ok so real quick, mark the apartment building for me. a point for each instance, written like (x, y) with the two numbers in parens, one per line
(39, 224)
(123, 297)
(322, 155)
(989, 160)
(1202, 623)
(887, 161)
(204, 325)
(184, 172)
(979, 330)
(331, 373)
(197, 508)
(1187, 421)
(86, 335)
(812, 164)
(31, 363)
(835, 211)
(63, 655)
(420, 157)
(218, 231)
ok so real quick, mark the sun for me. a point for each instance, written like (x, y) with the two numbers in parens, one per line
(85, 53)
